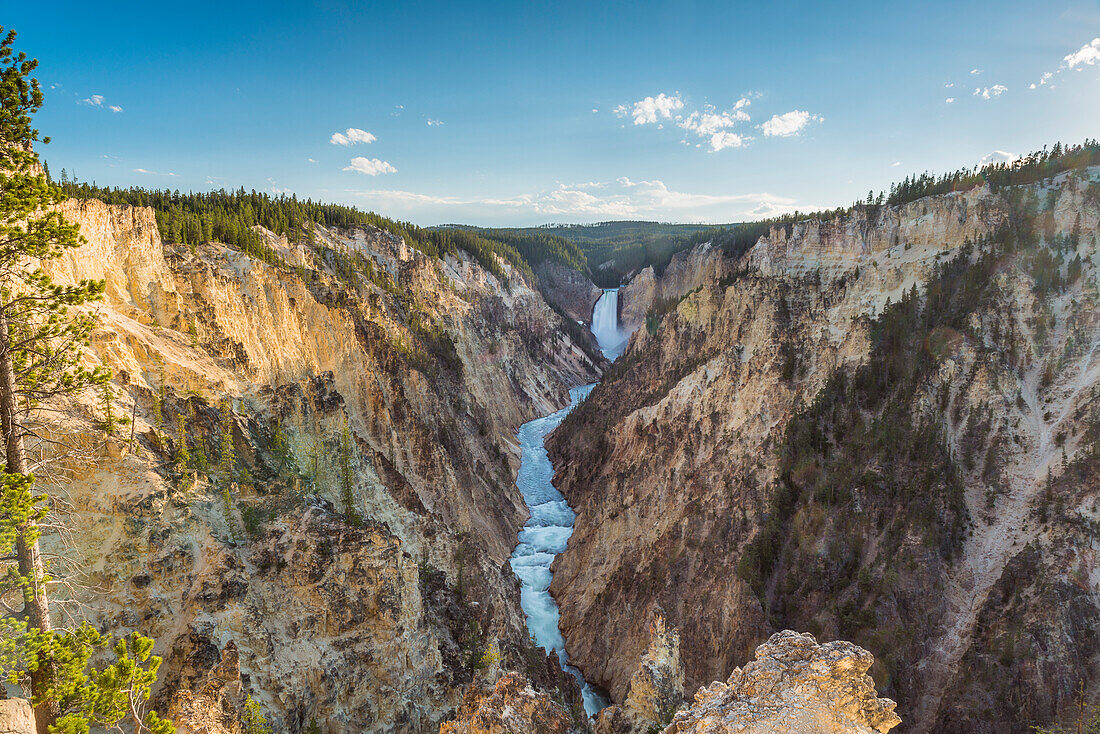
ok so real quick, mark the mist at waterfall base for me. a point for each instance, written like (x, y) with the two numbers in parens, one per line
(547, 531)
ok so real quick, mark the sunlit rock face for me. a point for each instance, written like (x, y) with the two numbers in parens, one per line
(686, 271)
(793, 686)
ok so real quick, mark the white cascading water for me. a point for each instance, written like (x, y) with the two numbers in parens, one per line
(605, 325)
(544, 536)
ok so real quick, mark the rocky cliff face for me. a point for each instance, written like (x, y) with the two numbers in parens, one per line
(656, 689)
(568, 289)
(319, 472)
(793, 685)
(792, 448)
(685, 272)
(511, 706)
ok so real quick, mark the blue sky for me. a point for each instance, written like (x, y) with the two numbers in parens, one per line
(525, 113)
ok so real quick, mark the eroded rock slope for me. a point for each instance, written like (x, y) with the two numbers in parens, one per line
(865, 427)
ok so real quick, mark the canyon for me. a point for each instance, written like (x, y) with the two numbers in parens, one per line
(878, 427)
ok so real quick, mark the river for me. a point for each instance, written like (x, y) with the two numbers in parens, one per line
(547, 531)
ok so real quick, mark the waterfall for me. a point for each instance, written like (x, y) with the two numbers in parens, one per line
(605, 324)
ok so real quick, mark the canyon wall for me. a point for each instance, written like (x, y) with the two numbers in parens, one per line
(779, 453)
(686, 271)
(319, 470)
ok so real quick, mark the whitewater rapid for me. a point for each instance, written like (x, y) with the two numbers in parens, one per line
(543, 537)
(547, 531)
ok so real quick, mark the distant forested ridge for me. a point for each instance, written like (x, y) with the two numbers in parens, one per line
(608, 252)
(229, 216)
(616, 250)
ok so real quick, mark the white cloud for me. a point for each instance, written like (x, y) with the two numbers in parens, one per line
(990, 92)
(789, 123)
(975, 72)
(725, 139)
(434, 123)
(588, 201)
(311, 160)
(351, 136)
(712, 125)
(949, 100)
(949, 85)
(595, 110)
(369, 166)
(650, 109)
(96, 100)
(998, 156)
(1088, 54)
(895, 164)
(152, 173)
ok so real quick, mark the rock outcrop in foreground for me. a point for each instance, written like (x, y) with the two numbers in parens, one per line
(794, 685)
(512, 706)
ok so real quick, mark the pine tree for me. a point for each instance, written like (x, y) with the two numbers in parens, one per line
(253, 720)
(227, 457)
(41, 354)
(347, 475)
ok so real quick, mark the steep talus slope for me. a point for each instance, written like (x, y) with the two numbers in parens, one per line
(924, 424)
(321, 469)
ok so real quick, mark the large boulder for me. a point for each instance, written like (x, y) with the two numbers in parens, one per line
(797, 686)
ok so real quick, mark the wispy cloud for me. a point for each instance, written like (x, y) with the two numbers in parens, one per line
(152, 173)
(975, 72)
(351, 136)
(789, 123)
(990, 92)
(96, 100)
(1087, 55)
(434, 123)
(895, 164)
(949, 100)
(588, 201)
(369, 166)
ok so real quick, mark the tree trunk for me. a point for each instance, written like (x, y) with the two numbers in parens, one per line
(36, 606)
